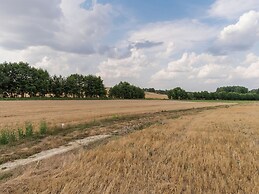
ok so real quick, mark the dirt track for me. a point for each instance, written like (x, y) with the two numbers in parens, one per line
(14, 114)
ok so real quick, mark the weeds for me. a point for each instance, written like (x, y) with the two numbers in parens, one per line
(28, 130)
(21, 134)
(43, 128)
(9, 136)
(4, 137)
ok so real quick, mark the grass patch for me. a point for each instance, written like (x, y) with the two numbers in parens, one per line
(43, 128)
(28, 130)
(11, 136)
(7, 137)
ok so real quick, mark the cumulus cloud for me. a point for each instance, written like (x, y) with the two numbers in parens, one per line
(204, 68)
(150, 47)
(192, 65)
(64, 25)
(232, 9)
(125, 67)
(176, 36)
(250, 68)
(240, 36)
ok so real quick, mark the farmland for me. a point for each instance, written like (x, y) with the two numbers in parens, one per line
(14, 114)
(209, 151)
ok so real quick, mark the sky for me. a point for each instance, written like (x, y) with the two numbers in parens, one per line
(197, 45)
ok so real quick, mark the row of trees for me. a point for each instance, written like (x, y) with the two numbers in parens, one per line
(19, 80)
(222, 93)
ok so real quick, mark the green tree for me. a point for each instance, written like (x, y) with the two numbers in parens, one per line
(177, 94)
(124, 90)
(94, 87)
(57, 86)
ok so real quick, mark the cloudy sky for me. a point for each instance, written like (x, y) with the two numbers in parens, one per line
(197, 45)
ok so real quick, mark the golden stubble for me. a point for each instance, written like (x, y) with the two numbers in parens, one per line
(15, 114)
(215, 151)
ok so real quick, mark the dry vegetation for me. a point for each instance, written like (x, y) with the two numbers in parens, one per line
(215, 151)
(151, 95)
(14, 114)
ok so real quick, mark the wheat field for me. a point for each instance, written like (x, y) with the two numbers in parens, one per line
(14, 114)
(215, 151)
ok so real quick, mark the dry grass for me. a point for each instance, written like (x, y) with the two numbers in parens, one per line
(15, 114)
(215, 151)
(155, 95)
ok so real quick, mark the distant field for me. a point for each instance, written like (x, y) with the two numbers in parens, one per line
(155, 96)
(14, 114)
(213, 151)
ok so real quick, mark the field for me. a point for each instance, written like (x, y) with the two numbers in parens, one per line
(14, 114)
(151, 95)
(213, 150)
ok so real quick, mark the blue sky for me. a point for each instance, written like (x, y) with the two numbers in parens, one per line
(157, 10)
(197, 45)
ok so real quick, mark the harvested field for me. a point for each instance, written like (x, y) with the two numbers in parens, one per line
(155, 96)
(14, 114)
(214, 151)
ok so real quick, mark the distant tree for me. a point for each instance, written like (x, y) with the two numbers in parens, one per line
(150, 90)
(73, 86)
(41, 80)
(94, 87)
(124, 90)
(237, 89)
(255, 91)
(57, 86)
(177, 94)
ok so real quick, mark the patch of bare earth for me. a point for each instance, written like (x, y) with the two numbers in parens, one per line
(214, 151)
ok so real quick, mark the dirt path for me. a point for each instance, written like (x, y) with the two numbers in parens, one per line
(52, 152)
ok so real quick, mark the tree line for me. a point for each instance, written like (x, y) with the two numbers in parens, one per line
(222, 93)
(22, 80)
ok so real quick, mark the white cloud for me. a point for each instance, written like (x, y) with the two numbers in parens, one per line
(240, 36)
(121, 68)
(232, 9)
(63, 25)
(206, 70)
(250, 68)
(176, 36)
(191, 66)
(149, 48)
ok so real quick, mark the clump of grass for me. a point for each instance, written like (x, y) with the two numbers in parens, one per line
(21, 133)
(7, 137)
(12, 136)
(4, 137)
(43, 128)
(28, 130)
